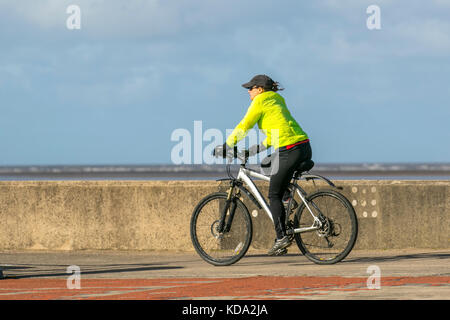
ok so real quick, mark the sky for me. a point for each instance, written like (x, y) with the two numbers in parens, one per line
(114, 90)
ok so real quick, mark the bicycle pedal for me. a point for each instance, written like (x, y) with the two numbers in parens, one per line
(281, 252)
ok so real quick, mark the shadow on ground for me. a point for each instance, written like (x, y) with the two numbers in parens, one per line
(48, 271)
(350, 259)
(430, 255)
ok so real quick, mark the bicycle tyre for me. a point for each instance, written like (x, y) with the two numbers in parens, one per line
(226, 249)
(335, 207)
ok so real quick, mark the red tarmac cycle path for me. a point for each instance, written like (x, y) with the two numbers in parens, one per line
(259, 287)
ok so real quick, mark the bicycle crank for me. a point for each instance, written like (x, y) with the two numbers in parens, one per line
(290, 230)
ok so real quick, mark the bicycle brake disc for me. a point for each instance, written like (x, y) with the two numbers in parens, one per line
(325, 228)
(214, 230)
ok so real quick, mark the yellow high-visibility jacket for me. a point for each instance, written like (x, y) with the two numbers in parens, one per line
(269, 110)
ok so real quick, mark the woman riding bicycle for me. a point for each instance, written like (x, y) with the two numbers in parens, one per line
(291, 144)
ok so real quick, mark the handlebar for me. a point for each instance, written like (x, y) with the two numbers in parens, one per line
(242, 155)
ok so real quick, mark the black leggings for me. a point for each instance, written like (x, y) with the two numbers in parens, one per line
(288, 161)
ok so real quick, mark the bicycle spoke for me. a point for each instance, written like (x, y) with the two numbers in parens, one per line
(215, 247)
(336, 237)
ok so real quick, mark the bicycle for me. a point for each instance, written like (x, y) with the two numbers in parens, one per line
(324, 226)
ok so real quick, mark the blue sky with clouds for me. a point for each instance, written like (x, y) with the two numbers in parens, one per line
(114, 91)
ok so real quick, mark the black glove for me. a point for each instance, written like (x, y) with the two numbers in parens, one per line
(225, 151)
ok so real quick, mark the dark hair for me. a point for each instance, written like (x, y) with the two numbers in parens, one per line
(274, 87)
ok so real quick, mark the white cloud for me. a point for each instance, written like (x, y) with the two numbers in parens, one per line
(133, 18)
(97, 16)
(442, 3)
(42, 13)
(422, 37)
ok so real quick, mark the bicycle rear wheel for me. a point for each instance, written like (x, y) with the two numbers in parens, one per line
(337, 236)
(220, 248)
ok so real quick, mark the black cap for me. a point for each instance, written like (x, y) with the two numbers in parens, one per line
(261, 80)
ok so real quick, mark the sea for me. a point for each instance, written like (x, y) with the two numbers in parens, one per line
(353, 171)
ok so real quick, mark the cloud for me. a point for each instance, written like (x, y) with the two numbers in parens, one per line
(131, 19)
(42, 13)
(422, 37)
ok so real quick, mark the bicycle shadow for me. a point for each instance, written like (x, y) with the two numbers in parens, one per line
(54, 271)
(401, 257)
(351, 259)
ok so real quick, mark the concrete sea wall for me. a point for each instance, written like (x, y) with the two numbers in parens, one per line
(155, 215)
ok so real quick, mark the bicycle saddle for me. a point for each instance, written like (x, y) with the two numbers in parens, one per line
(305, 166)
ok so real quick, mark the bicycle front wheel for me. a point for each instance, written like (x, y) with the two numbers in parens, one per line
(337, 236)
(216, 247)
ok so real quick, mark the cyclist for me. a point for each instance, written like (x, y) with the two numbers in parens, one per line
(291, 146)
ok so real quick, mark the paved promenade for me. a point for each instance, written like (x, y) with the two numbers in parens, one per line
(399, 274)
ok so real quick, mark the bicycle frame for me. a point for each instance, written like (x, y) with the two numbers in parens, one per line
(244, 176)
